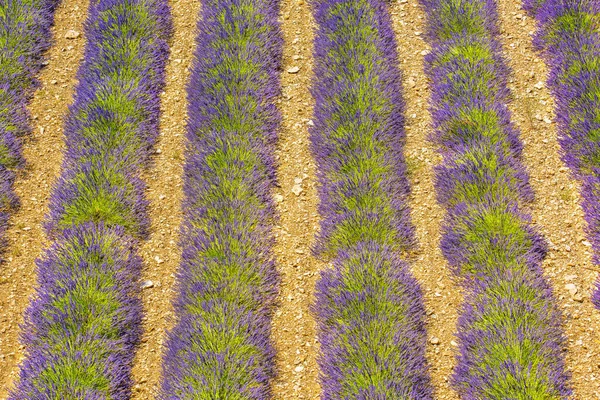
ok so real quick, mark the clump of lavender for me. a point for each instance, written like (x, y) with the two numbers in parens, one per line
(369, 308)
(84, 321)
(24, 36)
(569, 36)
(220, 347)
(510, 328)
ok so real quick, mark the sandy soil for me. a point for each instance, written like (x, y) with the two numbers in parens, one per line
(160, 253)
(294, 326)
(442, 295)
(556, 210)
(43, 152)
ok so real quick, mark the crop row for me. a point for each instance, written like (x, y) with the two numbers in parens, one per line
(509, 328)
(569, 36)
(369, 307)
(84, 320)
(220, 347)
(24, 36)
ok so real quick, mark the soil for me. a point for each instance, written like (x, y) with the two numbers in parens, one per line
(161, 253)
(441, 293)
(43, 151)
(556, 210)
(294, 328)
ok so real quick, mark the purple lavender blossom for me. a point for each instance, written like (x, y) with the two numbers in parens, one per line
(568, 35)
(83, 324)
(220, 346)
(510, 329)
(24, 37)
(369, 307)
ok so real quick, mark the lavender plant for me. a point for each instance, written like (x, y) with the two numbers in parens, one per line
(569, 36)
(510, 327)
(369, 307)
(84, 321)
(24, 36)
(220, 347)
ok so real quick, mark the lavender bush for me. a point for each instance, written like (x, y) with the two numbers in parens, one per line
(84, 321)
(369, 308)
(510, 328)
(220, 347)
(569, 37)
(24, 36)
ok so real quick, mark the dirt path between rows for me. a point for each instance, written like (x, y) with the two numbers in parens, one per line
(161, 252)
(442, 295)
(43, 152)
(556, 210)
(294, 329)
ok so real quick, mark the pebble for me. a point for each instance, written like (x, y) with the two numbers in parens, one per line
(539, 85)
(434, 340)
(578, 298)
(147, 285)
(297, 189)
(425, 52)
(72, 34)
(278, 198)
(310, 122)
(54, 81)
(293, 70)
(299, 368)
(297, 181)
(571, 288)
(547, 120)
(158, 260)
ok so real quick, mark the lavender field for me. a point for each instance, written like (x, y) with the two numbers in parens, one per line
(322, 199)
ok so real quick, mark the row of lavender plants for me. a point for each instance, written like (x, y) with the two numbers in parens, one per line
(220, 347)
(369, 307)
(569, 36)
(84, 319)
(509, 328)
(24, 36)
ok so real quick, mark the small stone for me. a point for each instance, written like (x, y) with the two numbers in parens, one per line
(72, 34)
(27, 228)
(539, 85)
(147, 285)
(310, 122)
(278, 198)
(297, 57)
(453, 343)
(297, 189)
(297, 181)
(578, 298)
(162, 197)
(425, 52)
(158, 260)
(434, 341)
(293, 70)
(547, 120)
(411, 82)
(299, 368)
(54, 81)
(571, 288)
(586, 243)
(418, 33)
